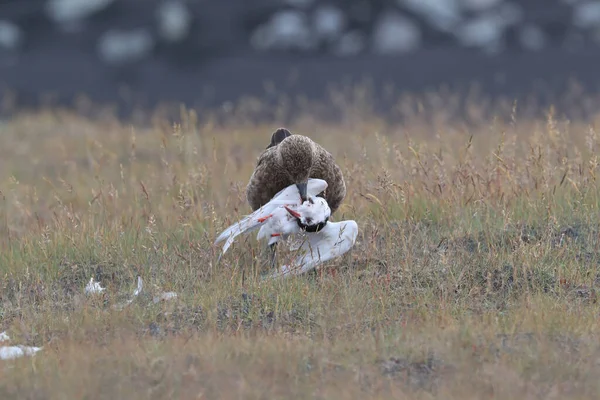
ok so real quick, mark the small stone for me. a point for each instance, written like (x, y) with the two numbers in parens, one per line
(10, 35)
(118, 47)
(174, 20)
(395, 33)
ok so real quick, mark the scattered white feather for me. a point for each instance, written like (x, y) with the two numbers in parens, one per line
(93, 287)
(165, 296)
(136, 293)
(139, 287)
(4, 337)
(12, 352)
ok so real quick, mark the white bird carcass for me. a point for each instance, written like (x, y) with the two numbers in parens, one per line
(284, 215)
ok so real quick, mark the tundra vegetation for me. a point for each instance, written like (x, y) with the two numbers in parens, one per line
(475, 272)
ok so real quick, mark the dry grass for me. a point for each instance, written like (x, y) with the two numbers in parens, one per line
(475, 273)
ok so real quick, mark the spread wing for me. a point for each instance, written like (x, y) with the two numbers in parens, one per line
(288, 196)
(318, 247)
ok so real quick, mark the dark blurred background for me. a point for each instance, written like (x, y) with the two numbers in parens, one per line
(206, 53)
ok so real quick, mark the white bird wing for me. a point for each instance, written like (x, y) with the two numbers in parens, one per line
(287, 196)
(313, 188)
(335, 239)
(279, 223)
(252, 221)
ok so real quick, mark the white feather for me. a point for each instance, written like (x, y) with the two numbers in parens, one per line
(335, 239)
(289, 196)
(4, 337)
(93, 287)
(284, 224)
(12, 352)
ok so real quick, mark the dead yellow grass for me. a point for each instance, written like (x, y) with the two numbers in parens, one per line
(475, 272)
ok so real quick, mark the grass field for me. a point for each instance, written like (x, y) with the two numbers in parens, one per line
(475, 273)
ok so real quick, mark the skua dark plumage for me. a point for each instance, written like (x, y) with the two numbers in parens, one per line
(292, 159)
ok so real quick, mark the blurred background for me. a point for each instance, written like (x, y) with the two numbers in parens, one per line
(210, 54)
